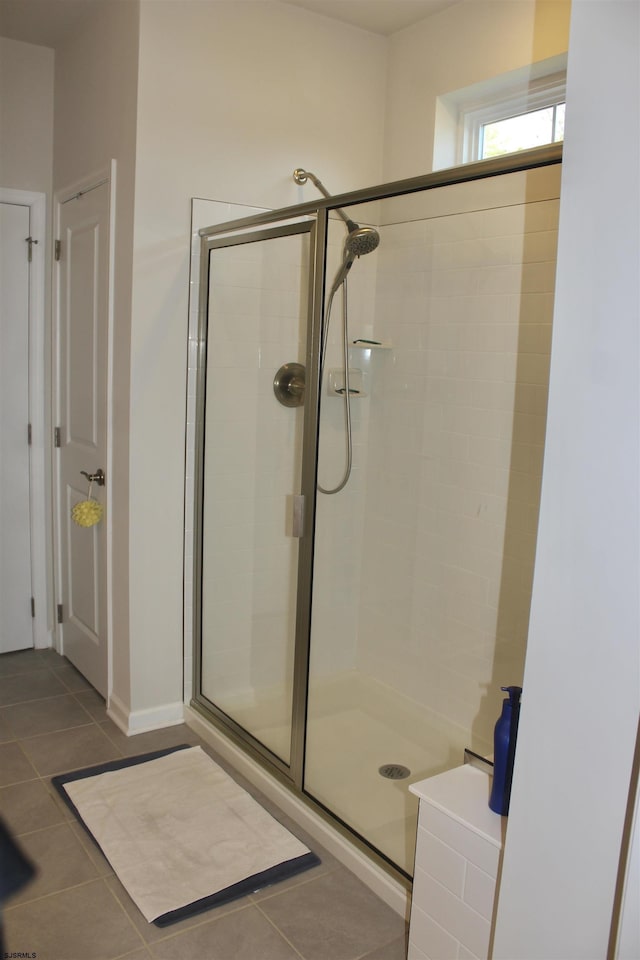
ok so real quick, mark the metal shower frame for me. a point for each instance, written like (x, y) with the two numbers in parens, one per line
(310, 217)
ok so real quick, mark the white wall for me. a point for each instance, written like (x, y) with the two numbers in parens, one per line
(465, 44)
(95, 122)
(26, 116)
(580, 706)
(232, 97)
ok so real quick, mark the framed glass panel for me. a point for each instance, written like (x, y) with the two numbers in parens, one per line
(423, 561)
(257, 322)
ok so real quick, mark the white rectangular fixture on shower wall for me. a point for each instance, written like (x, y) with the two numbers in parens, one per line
(336, 385)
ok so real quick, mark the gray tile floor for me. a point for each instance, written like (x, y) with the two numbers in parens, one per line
(52, 721)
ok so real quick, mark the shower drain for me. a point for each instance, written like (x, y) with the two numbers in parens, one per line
(394, 771)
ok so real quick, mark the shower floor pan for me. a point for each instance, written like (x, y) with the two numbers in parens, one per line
(358, 725)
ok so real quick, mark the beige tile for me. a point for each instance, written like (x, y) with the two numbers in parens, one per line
(242, 935)
(147, 742)
(93, 703)
(69, 750)
(29, 806)
(46, 716)
(30, 686)
(149, 932)
(71, 678)
(50, 658)
(84, 923)
(91, 848)
(301, 878)
(335, 917)
(25, 661)
(65, 811)
(327, 864)
(14, 766)
(396, 950)
(16, 662)
(59, 859)
(6, 733)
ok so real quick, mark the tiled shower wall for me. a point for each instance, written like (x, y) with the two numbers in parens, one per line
(456, 435)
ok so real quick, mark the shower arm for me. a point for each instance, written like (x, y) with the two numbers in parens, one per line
(301, 176)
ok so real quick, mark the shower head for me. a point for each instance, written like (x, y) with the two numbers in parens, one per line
(361, 240)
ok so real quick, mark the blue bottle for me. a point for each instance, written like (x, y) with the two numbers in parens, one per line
(504, 738)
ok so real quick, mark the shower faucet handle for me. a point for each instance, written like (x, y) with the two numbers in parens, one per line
(289, 384)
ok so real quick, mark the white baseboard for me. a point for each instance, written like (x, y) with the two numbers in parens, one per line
(392, 891)
(132, 722)
(117, 712)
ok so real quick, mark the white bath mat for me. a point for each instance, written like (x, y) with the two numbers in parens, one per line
(180, 834)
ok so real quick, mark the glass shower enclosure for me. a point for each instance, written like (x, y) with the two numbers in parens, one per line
(357, 641)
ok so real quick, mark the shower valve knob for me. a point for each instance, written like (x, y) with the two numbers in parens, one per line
(289, 384)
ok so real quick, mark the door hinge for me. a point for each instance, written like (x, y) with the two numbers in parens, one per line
(29, 434)
(56, 437)
(33, 606)
(30, 241)
(60, 619)
(57, 250)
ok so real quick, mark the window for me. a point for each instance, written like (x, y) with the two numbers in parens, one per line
(522, 132)
(511, 112)
(517, 120)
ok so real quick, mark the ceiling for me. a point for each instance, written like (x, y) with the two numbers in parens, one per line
(379, 16)
(44, 22)
(47, 22)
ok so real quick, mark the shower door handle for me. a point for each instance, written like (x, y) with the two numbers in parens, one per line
(298, 516)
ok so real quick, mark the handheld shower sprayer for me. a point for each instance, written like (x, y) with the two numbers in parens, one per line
(358, 242)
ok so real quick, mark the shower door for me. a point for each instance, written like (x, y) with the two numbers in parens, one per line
(251, 448)
(366, 654)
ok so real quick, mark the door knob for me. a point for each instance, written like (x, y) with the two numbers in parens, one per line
(97, 477)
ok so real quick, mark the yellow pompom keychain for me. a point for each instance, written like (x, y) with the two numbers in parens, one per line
(87, 513)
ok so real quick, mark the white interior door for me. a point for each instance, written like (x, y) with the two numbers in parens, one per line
(16, 622)
(83, 316)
